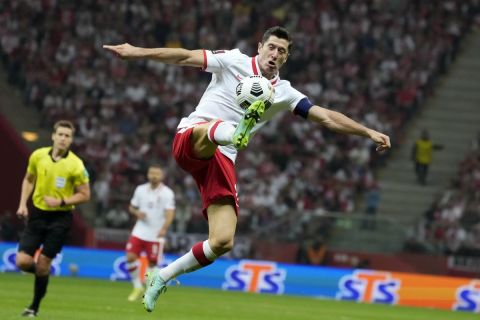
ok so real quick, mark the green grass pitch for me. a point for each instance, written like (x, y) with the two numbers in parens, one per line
(80, 298)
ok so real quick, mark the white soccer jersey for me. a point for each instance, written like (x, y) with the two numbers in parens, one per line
(228, 67)
(152, 202)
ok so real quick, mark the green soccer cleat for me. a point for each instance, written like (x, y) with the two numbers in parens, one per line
(155, 287)
(252, 115)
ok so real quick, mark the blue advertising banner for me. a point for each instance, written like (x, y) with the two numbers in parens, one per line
(461, 294)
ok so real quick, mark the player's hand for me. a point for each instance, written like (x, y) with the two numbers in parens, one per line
(22, 212)
(52, 202)
(141, 215)
(162, 233)
(382, 140)
(124, 51)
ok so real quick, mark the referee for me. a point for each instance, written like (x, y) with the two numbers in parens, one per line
(59, 181)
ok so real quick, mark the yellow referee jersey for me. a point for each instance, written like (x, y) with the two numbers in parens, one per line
(55, 178)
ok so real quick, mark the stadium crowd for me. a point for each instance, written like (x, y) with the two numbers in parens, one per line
(376, 61)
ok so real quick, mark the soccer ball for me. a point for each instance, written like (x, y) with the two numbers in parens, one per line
(254, 88)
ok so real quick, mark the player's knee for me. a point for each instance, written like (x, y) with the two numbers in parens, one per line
(43, 265)
(42, 271)
(24, 262)
(221, 245)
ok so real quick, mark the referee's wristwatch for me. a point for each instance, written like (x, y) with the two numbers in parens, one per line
(62, 203)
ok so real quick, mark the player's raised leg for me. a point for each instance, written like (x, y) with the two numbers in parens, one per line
(208, 136)
(252, 115)
(222, 222)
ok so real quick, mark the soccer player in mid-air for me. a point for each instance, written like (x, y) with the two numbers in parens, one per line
(153, 205)
(207, 140)
(59, 181)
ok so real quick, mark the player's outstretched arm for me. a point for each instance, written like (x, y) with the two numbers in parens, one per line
(177, 56)
(338, 122)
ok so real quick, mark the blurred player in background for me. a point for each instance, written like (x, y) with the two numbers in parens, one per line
(59, 181)
(153, 205)
(207, 140)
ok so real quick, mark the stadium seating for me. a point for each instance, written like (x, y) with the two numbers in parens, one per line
(452, 224)
(376, 61)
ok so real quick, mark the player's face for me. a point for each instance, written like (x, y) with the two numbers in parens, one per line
(272, 55)
(155, 175)
(62, 138)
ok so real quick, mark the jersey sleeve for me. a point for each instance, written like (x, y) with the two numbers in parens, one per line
(217, 60)
(294, 97)
(298, 103)
(135, 201)
(170, 204)
(32, 163)
(81, 175)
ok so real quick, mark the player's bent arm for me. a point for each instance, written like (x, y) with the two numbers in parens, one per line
(82, 194)
(135, 212)
(169, 215)
(338, 122)
(176, 56)
(28, 184)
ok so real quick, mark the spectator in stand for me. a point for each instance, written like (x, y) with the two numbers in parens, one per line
(455, 236)
(316, 253)
(422, 154)
(372, 200)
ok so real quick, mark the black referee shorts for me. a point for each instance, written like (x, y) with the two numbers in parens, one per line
(49, 228)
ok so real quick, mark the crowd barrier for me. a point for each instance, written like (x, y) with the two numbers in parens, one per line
(393, 288)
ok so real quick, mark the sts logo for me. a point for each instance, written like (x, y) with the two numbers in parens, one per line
(255, 276)
(468, 297)
(369, 286)
(10, 255)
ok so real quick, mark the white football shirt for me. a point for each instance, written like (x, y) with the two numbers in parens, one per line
(152, 202)
(228, 68)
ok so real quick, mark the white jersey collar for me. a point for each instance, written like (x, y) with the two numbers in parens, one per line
(257, 71)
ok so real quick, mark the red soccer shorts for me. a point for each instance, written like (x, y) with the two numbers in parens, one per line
(215, 177)
(153, 249)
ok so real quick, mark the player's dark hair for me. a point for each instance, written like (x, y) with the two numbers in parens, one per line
(64, 124)
(279, 32)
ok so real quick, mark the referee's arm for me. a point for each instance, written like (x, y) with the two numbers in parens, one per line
(28, 184)
(82, 194)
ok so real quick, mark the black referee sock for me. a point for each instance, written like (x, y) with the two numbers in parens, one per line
(41, 283)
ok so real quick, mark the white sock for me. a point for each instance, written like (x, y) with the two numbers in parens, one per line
(207, 250)
(132, 268)
(221, 132)
(188, 262)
